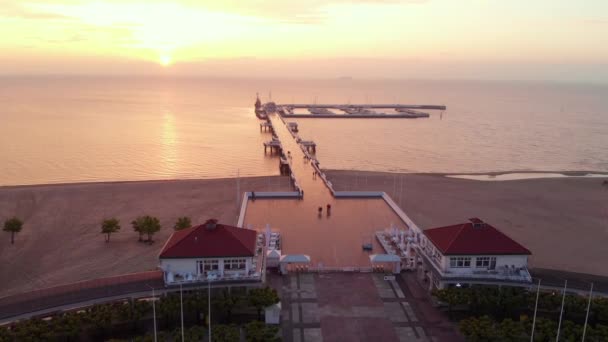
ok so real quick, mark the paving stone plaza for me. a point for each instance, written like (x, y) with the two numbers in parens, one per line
(358, 307)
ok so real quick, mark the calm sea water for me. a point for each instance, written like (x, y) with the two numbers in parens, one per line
(55, 130)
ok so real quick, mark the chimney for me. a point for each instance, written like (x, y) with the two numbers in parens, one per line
(477, 223)
(211, 224)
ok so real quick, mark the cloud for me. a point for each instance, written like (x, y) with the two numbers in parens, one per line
(16, 10)
(596, 21)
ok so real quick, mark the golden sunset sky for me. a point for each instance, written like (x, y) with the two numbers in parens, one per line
(471, 39)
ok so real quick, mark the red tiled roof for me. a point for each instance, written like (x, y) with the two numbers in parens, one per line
(205, 242)
(475, 237)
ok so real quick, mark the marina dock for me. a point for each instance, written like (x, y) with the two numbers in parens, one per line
(349, 111)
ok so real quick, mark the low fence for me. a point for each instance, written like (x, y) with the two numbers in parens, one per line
(338, 269)
(403, 216)
(83, 291)
(360, 194)
(262, 195)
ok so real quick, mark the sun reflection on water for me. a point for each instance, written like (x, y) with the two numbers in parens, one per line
(169, 144)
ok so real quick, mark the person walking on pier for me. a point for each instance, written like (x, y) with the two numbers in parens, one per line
(320, 211)
(328, 209)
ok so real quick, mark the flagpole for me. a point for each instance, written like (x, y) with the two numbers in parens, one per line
(209, 305)
(181, 306)
(153, 310)
(561, 312)
(587, 316)
(238, 189)
(535, 309)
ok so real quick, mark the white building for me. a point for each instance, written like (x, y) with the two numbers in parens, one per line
(211, 251)
(471, 253)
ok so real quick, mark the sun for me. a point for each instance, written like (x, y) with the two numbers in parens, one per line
(165, 60)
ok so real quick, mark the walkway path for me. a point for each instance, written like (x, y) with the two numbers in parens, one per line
(314, 189)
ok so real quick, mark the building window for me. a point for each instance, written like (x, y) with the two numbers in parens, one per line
(204, 266)
(235, 264)
(485, 262)
(460, 262)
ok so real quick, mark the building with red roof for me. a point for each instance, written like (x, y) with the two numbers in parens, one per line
(211, 251)
(472, 253)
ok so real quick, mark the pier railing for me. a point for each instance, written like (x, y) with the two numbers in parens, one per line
(262, 195)
(360, 194)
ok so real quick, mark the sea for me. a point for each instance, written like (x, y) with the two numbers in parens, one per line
(89, 129)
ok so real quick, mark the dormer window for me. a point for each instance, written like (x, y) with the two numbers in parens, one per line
(477, 223)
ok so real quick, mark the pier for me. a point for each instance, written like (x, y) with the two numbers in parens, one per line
(274, 145)
(310, 145)
(293, 126)
(333, 240)
(266, 126)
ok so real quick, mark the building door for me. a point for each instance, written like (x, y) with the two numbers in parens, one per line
(492, 263)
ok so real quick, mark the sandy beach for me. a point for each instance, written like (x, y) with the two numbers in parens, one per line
(563, 221)
(61, 241)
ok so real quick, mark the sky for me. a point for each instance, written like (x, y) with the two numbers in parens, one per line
(563, 40)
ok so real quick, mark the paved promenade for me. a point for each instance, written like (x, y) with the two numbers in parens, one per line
(358, 307)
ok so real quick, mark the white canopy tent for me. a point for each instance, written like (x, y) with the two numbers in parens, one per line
(273, 256)
(295, 259)
(292, 259)
(387, 258)
(377, 258)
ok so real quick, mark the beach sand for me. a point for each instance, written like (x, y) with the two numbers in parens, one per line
(563, 221)
(61, 241)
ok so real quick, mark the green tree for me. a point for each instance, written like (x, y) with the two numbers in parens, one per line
(225, 333)
(196, 303)
(169, 308)
(13, 225)
(183, 223)
(5, 335)
(452, 297)
(262, 298)
(147, 225)
(226, 302)
(478, 329)
(133, 312)
(101, 318)
(109, 226)
(510, 330)
(256, 331)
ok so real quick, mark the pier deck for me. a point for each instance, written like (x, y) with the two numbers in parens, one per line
(332, 241)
